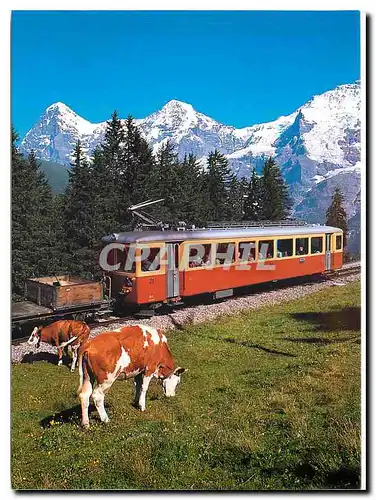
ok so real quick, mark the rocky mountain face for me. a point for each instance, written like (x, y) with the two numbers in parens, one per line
(317, 146)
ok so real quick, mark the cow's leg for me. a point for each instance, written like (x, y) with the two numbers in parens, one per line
(74, 356)
(144, 389)
(86, 391)
(60, 356)
(98, 398)
(137, 385)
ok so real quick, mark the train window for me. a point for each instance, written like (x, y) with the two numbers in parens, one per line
(301, 246)
(247, 251)
(199, 255)
(316, 244)
(266, 249)
(112, 257)
(128, 262)
(285, 248)
(339, 242)
(150, 259)
(126, 258)
(225, 253)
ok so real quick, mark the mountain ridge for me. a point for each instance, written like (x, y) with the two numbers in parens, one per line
(318, 143)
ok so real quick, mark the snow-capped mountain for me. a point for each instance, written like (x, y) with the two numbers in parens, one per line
(316, 146)
(191, 131)
(56, 133)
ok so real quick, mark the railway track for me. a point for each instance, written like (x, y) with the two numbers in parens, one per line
(348, 269)
(109, 321)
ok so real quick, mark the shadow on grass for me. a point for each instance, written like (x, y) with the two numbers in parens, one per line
(343, 478)
(322, 341)
(292, 469)
(32, 357)
(68, 416)
(347, 318)
(258, 347)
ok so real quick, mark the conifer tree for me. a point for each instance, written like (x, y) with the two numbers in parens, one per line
(276, 203)
(112, 146)
(80, 215)
(22, 267)
(33, 235)
(101, 186)
(48, 254)
(138, 162)
(60, 258)
(336, 214)
(164, 183)
(189, 195)
(215, 190)
(253, 201)
(237, 189)
(111, 180)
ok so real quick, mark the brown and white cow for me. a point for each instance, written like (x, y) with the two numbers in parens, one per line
(62, 333)
(140, 352)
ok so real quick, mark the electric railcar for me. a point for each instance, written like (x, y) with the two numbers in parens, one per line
(181, 264)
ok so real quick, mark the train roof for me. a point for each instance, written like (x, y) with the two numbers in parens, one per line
(215, 234)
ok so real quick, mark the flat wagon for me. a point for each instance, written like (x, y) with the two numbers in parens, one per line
(50, 298)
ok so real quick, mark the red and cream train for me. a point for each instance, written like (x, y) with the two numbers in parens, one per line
(155, 267)
(143, 270)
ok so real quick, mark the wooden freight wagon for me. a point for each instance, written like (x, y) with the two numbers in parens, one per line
(50, 298)
(61, 292)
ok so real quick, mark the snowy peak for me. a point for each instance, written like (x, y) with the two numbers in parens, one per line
(58, 107)
(345, 96)
(333, 119)
(56, 133)
(173, 115)
(190, 130)
(313, 145)
(177, 107)
(326, 130)
(66, 118)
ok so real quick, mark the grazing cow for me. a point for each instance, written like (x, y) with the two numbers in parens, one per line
(62, 333)
(139, 352)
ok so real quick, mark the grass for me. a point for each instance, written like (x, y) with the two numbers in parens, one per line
(271, 402)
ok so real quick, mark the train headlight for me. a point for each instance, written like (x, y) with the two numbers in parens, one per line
(128, 281)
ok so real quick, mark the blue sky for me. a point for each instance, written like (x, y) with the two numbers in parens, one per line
(240, 68)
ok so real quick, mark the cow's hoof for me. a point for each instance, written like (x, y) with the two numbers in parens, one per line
(106, 420)
(72, 370)
(60, 363)
(86, 426)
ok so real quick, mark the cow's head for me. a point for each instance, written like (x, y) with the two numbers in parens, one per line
(171, 382)
(35, 337)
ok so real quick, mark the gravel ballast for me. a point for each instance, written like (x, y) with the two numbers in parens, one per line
(201, 313)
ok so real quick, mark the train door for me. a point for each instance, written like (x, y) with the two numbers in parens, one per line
(328, 252)
(172, 271)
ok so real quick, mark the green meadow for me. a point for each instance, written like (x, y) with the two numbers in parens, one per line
(271, 401)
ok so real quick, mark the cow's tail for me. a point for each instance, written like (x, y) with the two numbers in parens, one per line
(68, 342)
(82, 369)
